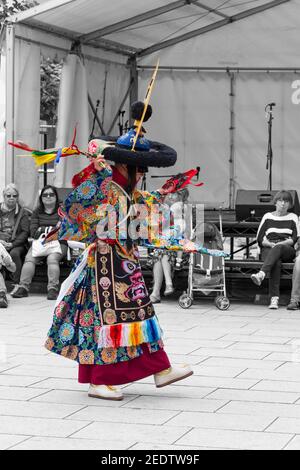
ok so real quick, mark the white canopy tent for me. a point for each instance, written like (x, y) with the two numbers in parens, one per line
(221, 62)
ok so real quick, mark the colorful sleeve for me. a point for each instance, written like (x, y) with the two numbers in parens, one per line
(172, 185)
(79, 211)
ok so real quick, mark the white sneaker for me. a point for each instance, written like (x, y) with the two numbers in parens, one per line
(274, 303)
(106, 392)
(258, 278)
(173, 374)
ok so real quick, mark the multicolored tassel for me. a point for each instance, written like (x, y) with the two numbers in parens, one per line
(130, 334)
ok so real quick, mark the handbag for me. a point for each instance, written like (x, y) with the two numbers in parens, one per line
(42, 249)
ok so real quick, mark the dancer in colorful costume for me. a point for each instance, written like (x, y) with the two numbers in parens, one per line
(103, 317)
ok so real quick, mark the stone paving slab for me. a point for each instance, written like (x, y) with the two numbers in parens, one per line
(54, 443)
(229, 362)
(78, 398)
(174, 403)
(219, 382)
(277, 386)
(8, 441)
(147, 446)
(32, 426)
(261, 374)
(125, 415)
(231, 353)
(36, 410)
(257, 409)
(45, 371)
(244, 394)
(222, 421)
(285, 425)
(292, 356)
(59, 384)
(258, 338)
(19, 393)
(17, 380)
(177, 391)
(253, 395)
(256, 346)
(219, 371)
(236, 439)
(138, 432)
(294, 444)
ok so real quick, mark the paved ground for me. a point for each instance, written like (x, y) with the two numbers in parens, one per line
(244, 394)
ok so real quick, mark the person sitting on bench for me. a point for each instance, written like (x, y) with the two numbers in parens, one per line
(277, 235)
(43, 218)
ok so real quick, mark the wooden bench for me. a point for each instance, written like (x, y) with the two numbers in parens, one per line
(236, 269)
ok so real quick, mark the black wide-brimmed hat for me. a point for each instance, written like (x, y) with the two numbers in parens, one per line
(147, 153)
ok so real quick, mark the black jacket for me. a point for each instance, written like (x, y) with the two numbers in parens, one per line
(21, 229)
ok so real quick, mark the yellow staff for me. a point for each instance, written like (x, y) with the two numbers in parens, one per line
(146, 102)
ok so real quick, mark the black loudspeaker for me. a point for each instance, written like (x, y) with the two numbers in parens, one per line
(251, 205)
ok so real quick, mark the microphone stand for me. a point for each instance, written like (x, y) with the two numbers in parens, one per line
(269, 150)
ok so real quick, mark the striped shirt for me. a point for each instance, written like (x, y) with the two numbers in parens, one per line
(276, 228)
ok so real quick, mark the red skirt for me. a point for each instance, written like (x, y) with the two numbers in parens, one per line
(125, 372)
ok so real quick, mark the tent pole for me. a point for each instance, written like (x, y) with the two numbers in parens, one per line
(134, 89)
(163, 68)
(232, 78)
(10, 101)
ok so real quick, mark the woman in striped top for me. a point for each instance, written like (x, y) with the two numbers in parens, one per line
(277, 235)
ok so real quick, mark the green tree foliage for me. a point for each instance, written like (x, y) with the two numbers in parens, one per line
(10, 7)
(50, 80)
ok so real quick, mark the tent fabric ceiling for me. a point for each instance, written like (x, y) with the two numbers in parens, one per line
(133, 27)
(267, 40)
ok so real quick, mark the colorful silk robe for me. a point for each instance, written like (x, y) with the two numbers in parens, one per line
(103, 313)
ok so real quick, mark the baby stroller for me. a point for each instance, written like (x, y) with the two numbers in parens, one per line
(206, 273)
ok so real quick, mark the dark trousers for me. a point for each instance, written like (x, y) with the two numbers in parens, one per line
(272, 258)
(17, 254)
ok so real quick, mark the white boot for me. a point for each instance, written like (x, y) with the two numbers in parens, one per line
(106, 392)
(171, 375)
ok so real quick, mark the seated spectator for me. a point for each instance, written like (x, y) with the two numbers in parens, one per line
(14, 228)
(163, 262)
(7, 262)
(43, 218)
(277, 235)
